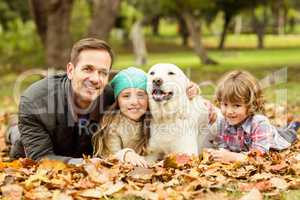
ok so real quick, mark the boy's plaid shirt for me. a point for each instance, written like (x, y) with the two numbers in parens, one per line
(256, 133)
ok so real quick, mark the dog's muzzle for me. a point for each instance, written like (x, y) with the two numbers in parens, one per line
(159, 95)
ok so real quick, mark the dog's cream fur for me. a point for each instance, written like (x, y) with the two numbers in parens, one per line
(179, 125)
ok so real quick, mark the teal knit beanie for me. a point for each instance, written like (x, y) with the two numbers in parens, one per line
(129, 78)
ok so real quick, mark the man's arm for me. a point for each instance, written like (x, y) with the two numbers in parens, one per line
(34, 136)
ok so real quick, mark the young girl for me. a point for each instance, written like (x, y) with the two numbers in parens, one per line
(125, 128)
(242, 129)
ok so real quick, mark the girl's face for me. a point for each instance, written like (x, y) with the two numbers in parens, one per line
(133, 103)
(234, 113)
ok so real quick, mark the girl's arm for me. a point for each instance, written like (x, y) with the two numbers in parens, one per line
(114, 146)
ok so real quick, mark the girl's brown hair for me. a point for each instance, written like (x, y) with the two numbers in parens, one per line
(98, 139)
(240, 87)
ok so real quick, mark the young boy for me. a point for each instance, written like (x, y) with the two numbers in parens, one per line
(242, 129)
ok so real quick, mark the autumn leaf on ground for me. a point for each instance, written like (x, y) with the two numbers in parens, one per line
(177, 160)
(254, 194)
(13, 191)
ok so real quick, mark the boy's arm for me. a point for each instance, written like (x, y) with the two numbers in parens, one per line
(226, 156)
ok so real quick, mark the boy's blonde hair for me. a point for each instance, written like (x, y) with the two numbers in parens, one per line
(240, 87)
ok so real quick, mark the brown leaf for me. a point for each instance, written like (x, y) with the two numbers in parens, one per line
(262, 176)
(279, 168)
(254, 194)
(176, 160)
(58, 195)
(261, 186)
(91, 193)
(95, 174)
(13, 191)
(140, 173)
(279, 183)
(40, 192)
(55, 165)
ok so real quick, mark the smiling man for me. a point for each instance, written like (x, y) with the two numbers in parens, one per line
(59, 114)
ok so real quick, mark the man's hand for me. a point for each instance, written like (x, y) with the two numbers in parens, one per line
(225, 156)
(192, 90)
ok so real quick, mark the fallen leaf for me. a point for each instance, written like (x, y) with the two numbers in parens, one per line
(254, 194)
(12, 191)
(95, 174)
(261, 186)
(140, 173)
(176, 160)
(279, 183)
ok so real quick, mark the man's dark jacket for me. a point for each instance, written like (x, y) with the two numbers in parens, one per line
(46, 123)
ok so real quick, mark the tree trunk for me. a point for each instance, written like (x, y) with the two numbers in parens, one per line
(195, 34)
(155, 25)
(280, 22)
(238, 25)
(182, 30)
(52, 20)
(138, 42)
(38, 9)
(278, 10)
(227, 19)
(103, 18)
(58, 34)
(259, 27)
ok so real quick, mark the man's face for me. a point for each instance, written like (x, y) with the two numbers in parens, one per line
(90, 75)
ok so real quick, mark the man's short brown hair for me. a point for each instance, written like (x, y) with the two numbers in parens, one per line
(90, 43)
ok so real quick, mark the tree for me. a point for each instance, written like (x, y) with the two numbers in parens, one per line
(52, 19)
(191, 12)
(230, 9)
(104, 14)
(12, 9)
(259, 23)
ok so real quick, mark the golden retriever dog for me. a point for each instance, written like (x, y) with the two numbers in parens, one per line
(179, 125)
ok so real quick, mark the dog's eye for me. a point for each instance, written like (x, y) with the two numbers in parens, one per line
(152, 73)
(171, 73)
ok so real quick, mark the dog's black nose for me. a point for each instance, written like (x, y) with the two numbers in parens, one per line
(157, 81)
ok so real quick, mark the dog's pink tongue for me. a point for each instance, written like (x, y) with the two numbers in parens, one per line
(157, 97)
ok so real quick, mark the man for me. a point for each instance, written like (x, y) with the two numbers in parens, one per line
(59, 114)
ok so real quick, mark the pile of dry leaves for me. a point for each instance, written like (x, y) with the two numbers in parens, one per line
(177, 177)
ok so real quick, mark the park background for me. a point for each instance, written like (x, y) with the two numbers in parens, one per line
(205, 38)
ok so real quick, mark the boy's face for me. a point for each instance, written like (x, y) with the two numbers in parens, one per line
(234, 113)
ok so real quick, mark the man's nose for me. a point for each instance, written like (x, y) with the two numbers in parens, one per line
(95, 78)
(157, 81)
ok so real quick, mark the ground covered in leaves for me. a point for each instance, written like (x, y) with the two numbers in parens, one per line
(274, 176)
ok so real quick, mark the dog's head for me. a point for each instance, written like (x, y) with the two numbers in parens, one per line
(166, 82)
